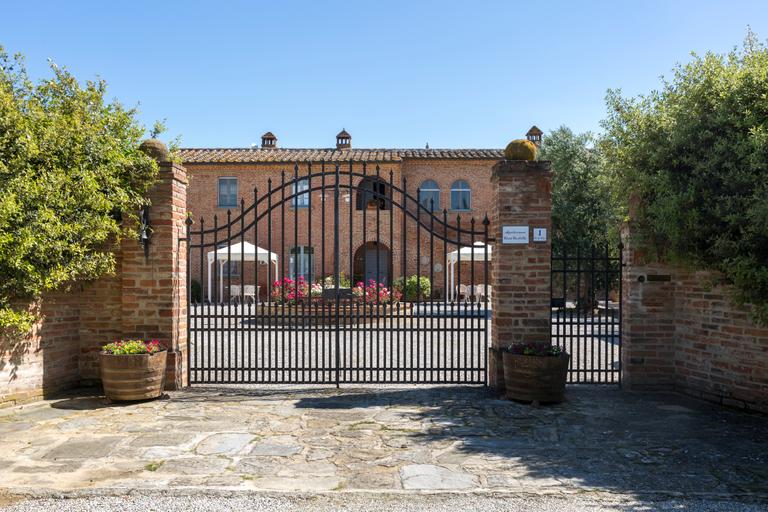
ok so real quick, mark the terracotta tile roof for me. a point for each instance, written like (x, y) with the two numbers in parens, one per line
(257, 155)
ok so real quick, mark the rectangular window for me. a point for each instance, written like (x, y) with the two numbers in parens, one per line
(302, 263)
(227, 192)
(460, 200)
(461, 195)
(301, 193)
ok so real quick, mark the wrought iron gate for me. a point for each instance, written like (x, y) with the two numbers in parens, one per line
(586, 312)
(338, 276)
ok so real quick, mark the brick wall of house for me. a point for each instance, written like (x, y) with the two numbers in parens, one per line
(291, 227)
(686, 334)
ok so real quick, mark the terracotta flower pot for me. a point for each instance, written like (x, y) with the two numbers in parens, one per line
(535, 378)
(133, 377)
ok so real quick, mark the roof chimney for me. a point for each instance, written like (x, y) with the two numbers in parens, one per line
(534, 135)
(268, 141)
(343, 140)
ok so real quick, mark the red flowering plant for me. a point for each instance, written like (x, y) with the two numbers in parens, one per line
(539, 348)
(133, 347)
(290, 291)
(374, 292)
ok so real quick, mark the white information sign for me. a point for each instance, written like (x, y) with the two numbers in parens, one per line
(539, 234)
(514, 234)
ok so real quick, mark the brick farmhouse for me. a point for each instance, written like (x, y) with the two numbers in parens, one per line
(454, 183)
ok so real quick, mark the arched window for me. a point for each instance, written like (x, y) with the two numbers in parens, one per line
(461, 195)
(372, 193)
(429, 196)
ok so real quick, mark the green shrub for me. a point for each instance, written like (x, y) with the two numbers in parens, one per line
(693, 158)
(413, 288)
(72, 179)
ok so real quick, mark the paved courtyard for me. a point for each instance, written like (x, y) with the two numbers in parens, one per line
(386, 440)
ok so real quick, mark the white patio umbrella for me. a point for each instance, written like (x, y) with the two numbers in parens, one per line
(243, 251)
(476, 253)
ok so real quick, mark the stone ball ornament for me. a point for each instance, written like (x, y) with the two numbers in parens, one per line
(520, 149)
(156, 149)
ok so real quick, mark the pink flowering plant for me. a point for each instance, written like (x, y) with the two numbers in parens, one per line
(133, 347)
(290, 291)
(375, 292)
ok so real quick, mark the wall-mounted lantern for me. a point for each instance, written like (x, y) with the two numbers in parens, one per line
(145, 230)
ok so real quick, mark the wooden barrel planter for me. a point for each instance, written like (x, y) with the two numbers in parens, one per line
(535, 378)
(133, 377)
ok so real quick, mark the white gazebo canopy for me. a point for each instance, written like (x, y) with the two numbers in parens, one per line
(476, 253)
(242, 251)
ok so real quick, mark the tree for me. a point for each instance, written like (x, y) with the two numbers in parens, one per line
(694, 158)
(583, 216)
(71, 174)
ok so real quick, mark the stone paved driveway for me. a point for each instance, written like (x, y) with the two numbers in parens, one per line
(386, 439)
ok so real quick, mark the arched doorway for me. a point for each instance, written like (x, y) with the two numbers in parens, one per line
(373, 261)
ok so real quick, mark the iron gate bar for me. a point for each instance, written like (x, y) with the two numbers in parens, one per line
(582, 329)
(224, 347)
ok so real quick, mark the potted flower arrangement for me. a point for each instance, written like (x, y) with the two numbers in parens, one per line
(375, 293)
(535, 372)
(133, 369)
(290, 291)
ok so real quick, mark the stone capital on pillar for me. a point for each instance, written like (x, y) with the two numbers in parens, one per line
(521, 272)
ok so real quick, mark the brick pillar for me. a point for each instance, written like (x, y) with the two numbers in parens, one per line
(520, 273)
(648, 323)
(154, 296)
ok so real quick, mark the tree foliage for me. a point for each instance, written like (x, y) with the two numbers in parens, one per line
(583, 216)
(694, 156)
(70, 170)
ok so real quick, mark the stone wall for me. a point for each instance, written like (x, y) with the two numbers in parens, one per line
(683, 332)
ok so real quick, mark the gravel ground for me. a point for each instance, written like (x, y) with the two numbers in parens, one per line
(373, 502)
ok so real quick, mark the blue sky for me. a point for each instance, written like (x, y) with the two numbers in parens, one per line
(393, 73)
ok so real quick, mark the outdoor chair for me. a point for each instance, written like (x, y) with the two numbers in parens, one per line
(464, 292)
(238, 294)
(480, 292)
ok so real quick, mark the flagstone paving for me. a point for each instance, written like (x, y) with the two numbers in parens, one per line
(392, 439)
